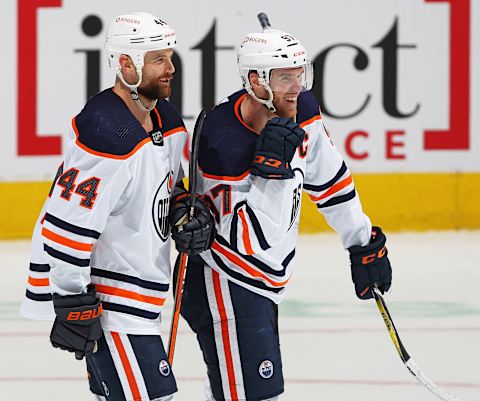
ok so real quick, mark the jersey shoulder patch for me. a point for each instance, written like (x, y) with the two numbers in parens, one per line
(226, 145)
(308, 107)
(106, 126)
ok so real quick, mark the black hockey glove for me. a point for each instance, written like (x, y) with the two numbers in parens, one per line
(370, 265)
(276, 146)
(196, 236)
(77, 325)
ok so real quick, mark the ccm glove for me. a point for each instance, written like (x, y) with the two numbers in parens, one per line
(77, 325)
(276, 146)
(196, 236)
(370, 265)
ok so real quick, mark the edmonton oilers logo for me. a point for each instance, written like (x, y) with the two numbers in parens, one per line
(160, 207)
(164, 368)
(266, 369)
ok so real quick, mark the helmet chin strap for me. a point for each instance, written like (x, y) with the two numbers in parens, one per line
(267, 102)
(134, 89)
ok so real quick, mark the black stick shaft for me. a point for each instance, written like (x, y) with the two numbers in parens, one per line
(192, 168)
(263, 19)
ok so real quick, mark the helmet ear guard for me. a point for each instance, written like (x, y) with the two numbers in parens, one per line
(261, 80)
(134, 35)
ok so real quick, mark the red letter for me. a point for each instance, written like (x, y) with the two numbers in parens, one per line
(457, 135)
(29, 144)
(392, 144)
(348, 145)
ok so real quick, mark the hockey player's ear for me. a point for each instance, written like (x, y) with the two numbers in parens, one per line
(257, 88)
(124, 61)
(253, 78)
(128, 69)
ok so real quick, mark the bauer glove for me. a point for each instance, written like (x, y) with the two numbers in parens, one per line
(276, 146)
(77, 325)
(195, 236)
(370, 265)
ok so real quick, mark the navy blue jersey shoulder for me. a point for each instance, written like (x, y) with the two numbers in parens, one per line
(307, 107)
(106, 125)
(226, 145)
(171, 118)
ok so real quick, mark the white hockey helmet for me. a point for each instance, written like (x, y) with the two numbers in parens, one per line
(264, 51)
(134, 35)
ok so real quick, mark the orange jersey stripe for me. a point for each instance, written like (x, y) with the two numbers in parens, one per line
(174, 131)
(240, 263)
(225, 335)
(108, 155)
(310, 120)
(226, 177)
(38, 282)
(65, 241)
(126, 366)
(236, 108)
(334, 189)
(158, 116)
(105, 289)
(246, 235)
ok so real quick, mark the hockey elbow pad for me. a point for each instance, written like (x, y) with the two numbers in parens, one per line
(77, 325)
(276, 146)
(370, 265)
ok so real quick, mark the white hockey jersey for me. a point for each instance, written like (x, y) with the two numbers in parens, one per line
(257, 218)
(106, 218)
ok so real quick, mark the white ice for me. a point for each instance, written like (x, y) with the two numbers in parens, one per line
(334, 347)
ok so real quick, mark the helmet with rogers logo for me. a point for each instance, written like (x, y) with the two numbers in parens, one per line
(264, 51)
(134, 35)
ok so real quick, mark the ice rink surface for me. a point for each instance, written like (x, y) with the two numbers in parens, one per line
(334, 347)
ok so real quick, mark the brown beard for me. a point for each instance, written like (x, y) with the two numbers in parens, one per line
(151, 90)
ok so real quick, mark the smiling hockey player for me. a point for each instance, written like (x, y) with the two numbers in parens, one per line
(259, 149)
(102, 239)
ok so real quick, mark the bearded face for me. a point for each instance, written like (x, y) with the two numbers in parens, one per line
(157, 74)
(154, 88)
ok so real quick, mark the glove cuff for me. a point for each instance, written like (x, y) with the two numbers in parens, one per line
(267, 165)
(81, 309)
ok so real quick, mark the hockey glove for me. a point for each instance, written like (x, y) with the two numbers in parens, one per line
(196, 236)
(370, 265)
(276, 146)
(77, 325)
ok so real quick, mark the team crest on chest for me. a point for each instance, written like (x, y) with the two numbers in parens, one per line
(160, 207)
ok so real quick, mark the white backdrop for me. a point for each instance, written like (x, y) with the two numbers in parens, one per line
(367, 40)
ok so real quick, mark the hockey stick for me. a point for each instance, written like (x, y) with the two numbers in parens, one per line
(192, 186)
(407, 360)
(263, 19)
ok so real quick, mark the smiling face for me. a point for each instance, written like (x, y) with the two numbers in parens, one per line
(286, 85)
(157, 74)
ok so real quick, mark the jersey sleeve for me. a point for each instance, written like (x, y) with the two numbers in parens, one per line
(330, 186)
(36, 303)
(84, 195)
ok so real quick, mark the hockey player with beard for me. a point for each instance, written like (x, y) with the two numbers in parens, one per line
(100, 263)
(259, 149)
